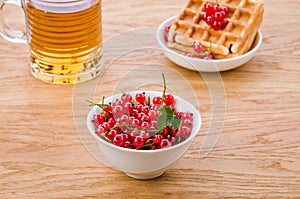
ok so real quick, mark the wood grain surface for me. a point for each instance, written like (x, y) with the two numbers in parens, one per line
(44, 154)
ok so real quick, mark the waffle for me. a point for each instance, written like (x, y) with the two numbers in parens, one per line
(244, 19)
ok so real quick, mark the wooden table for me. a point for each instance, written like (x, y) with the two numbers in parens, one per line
(43, 154)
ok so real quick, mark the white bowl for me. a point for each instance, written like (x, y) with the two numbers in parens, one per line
(145, 164)
(201, 64)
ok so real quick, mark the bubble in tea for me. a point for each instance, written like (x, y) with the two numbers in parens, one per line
(65, 39)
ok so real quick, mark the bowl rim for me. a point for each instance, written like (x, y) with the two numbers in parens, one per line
(160, 31)
(189, 139)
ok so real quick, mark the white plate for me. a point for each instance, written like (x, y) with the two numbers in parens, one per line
(201, 64)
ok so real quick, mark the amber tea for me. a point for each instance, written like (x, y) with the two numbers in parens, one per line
(65, 41)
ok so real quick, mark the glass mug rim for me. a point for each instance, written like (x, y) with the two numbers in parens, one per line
(59, 6)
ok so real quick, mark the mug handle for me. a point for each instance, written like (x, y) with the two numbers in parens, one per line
(15, 36)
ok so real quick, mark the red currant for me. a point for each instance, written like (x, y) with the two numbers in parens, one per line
(111, 121)
(111, 134)
(209, 8)
(218, 16)
(217, 25)
(169, 99)
(126, 98)
(98, 119)
(188, 123)
(118, 111)
(157, 138)
(198, 48)
(128, 145)
(216, 8)
(119, 140)
(133, 135)
(124, 119)
(140, 98)
(100, 130)
(167, 29)
(153, 114)
(185, 133)
(138, 141)
(224, 9)
(157, 100)
(128, 108)
(164, 143)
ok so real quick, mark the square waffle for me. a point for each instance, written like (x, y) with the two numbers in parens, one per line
(244, 19)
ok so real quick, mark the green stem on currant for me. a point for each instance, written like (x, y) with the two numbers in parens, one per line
(102, 102)
(145, 145)
(96, 104)
(165, 88)
(210, 46)
(105, 138)
(135, 129)
(217, 2)
(149, 101)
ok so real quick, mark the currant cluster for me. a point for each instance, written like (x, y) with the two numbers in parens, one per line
(215, 16)
(142, 123)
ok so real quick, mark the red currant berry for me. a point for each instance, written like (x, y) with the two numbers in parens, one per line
(209, 20)
(145, 118)
(178, 114)
(204, 16)
(224, 9)
(185, 133)
(105, 125)
(165, 132)
(107, 108)
(167, 29)
(133, 135)
(124, 119)
(126, 98)
(218, 16)
(157, 138)
(154, 125)
(153, 147)
(217, 25)
(157, 100)
(145, 125)
(216, 8)
(128, 145)
(145, 135)
(100, 130)
(209, 56)
(224, 23)
(98, 119)
(119, 140)
(128, 108)
(140, 115)
(138, 141)
(145, 109)
(153, 114)
(164, 143)
(186, 115)
(139, 107)
(117, 111)
(209, 8)
(125, 136)
(111, 134)
(111, 121)
(169, 99)
(140, 98)
(136, 122)
(188, 123)
(198, 48)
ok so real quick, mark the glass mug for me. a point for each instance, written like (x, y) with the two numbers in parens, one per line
(64, 38)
